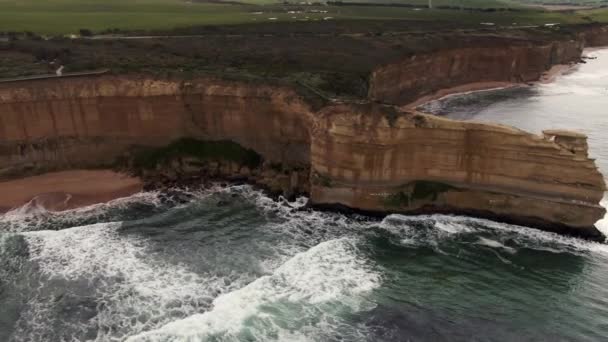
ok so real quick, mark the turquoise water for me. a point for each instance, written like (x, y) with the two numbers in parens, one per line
(230, 264)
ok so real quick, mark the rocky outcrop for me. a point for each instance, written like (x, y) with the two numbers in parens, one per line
(375, 158)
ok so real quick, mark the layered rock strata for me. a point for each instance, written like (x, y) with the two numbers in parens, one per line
(58, 124)
(370, 157)
(376, 159)
(425, 74)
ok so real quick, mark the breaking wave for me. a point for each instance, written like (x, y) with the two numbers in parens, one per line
(304, 293)
(226, 263)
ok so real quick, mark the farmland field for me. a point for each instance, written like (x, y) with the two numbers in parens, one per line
(69, 16)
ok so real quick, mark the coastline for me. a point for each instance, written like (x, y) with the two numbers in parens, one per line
(548, 76)
(58, 191)
(461, 89)
(72, 189)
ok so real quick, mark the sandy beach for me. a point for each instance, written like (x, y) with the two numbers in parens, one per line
(64, 190)
(464, 88)
(547, 77)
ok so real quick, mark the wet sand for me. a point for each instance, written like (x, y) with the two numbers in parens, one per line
(64, 190)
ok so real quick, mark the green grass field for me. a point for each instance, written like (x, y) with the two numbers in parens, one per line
(68, 16)
(452, 3)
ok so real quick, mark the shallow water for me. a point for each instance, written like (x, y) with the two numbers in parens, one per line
(230, 264)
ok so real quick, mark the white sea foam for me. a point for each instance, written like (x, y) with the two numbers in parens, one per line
(602, 225)
(330, 276)
(133, 290)
(449, 227)
(31, 217)
(137, 292)
(571, 88)
(495, 244)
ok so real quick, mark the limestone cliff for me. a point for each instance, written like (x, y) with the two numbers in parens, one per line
(424, 74)
(89, 122)
(366, 156)
(375, 158)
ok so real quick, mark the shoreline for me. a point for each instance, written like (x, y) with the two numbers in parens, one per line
(461, 89)
(64, 190)
(58, 191)
(548, 76)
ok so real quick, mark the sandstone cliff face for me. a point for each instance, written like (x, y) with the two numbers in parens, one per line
(373, 158)
(87, 122)
(370, 157)
(595, 36)
(419, 75)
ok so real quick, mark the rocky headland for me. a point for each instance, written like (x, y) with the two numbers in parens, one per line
(372, 153)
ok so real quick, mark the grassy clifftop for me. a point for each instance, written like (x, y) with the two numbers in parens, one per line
(334, 58)
(330, 49)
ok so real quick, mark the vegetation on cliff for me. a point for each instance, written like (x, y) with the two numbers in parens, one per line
(149, 158)
(417, 190)
(325, 59)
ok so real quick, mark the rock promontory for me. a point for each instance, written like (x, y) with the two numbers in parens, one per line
(368, 154)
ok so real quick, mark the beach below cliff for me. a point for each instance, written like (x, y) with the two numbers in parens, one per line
(65, 190)
(547, 77)
(559, 104)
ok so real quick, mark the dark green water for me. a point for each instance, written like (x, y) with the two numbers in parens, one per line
(230, 264)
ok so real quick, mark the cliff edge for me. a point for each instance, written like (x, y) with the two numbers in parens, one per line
(378, 159)
(363, 154)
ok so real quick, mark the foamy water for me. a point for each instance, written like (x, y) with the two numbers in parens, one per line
(318, 283)
(230, 264)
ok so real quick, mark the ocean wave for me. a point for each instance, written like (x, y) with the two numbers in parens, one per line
(314, 285)
(116, 283)
(31, 217)
(125, 287)
(602, 225)
(430, 229)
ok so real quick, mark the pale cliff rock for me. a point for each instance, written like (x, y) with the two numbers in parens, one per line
(375, 158)
(369, 157)
(88, 122)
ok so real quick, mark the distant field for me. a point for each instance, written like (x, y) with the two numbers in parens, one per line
(600, 15)
(451, 3)
(68, 16)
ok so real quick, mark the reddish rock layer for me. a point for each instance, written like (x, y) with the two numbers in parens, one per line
(367, 157)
